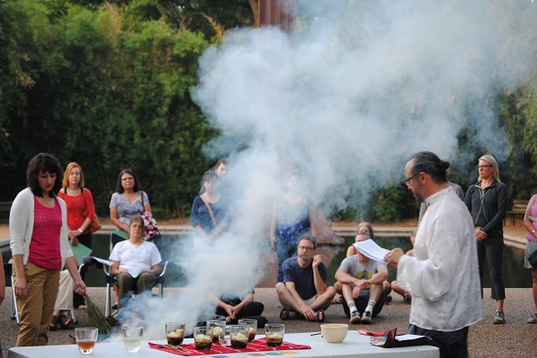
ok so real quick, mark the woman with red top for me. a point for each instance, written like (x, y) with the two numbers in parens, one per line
(39, 245)
(79, 201)
(77, 204)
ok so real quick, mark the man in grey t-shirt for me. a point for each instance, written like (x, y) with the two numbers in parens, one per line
(361, 281)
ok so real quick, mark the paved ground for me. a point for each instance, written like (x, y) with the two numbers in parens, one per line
(516, 339)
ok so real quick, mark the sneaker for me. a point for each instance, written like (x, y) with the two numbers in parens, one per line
(532, 319)
(499, 318)
(366, 318)
(355, 317)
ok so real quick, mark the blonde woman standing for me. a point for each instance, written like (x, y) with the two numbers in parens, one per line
(487, 201)
(79, 201)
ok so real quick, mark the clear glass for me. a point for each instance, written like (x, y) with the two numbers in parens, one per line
(86, 338)
(274, 333)
(202, 340)
(175, 333)
(238, 335)
(217, 329)
(252, 324)
(132, 338)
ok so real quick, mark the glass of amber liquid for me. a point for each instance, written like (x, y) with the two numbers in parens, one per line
(86, 338)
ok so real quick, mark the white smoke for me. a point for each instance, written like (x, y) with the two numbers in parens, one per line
(346, 99)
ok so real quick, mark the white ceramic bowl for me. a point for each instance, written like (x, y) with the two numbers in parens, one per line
(334, 332)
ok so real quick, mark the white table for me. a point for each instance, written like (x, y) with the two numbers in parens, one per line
(353, 346)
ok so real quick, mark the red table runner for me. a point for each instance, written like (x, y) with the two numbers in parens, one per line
(258, 345)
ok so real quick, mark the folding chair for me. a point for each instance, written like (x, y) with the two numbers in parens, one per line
(8, 269)
(111, 280)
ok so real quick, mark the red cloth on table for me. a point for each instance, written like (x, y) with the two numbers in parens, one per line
(258, 345)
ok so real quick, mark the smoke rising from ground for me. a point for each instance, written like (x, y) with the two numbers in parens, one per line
(345, 100)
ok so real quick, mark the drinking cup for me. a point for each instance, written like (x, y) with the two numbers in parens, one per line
(86, 338)
(132, 338)
(202, 340)
(252, 324)
(274, 334)
(175, 333)
(217, 329)
(238, 335)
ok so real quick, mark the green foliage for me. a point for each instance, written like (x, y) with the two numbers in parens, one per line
(109, 95)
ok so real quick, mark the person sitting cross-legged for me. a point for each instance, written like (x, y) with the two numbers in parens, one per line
(135, 261)
(361, 283)
(303, 292)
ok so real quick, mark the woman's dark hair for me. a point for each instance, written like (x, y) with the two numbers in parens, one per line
(210, 174)
(119, 187)
(44, 163)
(429, 163)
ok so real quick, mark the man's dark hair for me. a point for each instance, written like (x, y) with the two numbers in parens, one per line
(429, 163)
(43, 163)
(307, 236)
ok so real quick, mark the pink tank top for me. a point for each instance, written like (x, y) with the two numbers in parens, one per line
(45, 244)
(533, 213)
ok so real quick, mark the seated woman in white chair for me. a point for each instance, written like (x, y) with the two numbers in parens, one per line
(135, 262)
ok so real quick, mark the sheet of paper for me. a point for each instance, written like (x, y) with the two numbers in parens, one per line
(370, 249)
(408, 337)
(80, 251)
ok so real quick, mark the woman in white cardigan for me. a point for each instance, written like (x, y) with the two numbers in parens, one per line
(40, 248)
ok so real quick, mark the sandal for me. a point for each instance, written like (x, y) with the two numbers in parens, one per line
(65, 322)
(55, 323)
(319, 316)
(284, 314)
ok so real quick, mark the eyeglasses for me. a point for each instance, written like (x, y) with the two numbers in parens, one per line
(484, 166)
(125, 179)
(407, 181)
(307, 248)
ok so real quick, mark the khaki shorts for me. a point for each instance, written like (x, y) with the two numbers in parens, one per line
(308, 301)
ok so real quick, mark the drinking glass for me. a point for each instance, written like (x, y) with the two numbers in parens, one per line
(86, 338)
(202, 340)
(132, 338)
(175, 333)
(274, 334)
(217, 329)
(238, 335)
(252, 324)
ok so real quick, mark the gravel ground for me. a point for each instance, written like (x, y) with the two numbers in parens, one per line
(516, 339)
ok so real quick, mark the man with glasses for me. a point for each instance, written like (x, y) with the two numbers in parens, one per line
(442, 275)
(303, 292)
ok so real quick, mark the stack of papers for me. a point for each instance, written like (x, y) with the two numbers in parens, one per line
(370, 249)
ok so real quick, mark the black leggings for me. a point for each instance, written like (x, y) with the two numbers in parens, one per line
(250, 310)
(492, 248)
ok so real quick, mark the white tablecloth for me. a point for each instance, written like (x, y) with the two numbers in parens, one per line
(353, 346)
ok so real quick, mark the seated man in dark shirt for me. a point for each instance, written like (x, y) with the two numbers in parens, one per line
(303, 293)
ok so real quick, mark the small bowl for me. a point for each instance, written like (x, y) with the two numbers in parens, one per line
(334, 332)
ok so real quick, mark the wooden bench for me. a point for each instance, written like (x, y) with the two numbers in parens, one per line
(517, 210)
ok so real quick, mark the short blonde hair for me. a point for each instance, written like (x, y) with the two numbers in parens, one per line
(492, 161)
(70, 166)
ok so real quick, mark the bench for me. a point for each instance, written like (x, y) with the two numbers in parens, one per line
(517, 210)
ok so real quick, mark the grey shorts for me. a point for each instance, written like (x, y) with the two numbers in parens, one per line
(308, 301)
(531, 247)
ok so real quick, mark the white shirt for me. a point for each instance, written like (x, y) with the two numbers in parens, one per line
(443, 275)
(135, 258)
